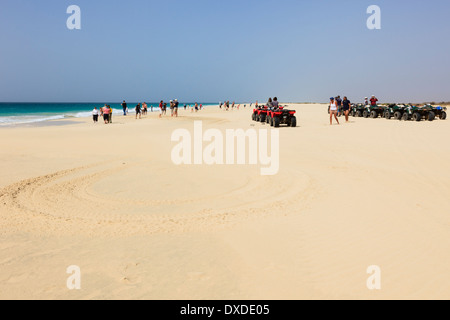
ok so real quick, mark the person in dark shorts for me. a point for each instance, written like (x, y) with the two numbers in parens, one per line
(106, 114)
(165, 108)
(95, 115)
(175, 107)
(124, 107)
(138, 111)
(346, 108)
(110, 113)
(338, 101)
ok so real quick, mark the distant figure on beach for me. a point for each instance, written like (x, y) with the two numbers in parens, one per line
(165, 108)
(185, 106)
(275, 103)
(144, 109)
(138, 111)
(124, 107)
(175, 108)
(373, 101)
(196, 107)
(339, 105)
(232, 106)
(151, 108)
(110, 113)
(366, 101)
(171, 108)
(220, 105)
(346, 108)
(270, 104)
(161, 108)
(106, 114)
(201, 106)
(333, 111)
(95, 115)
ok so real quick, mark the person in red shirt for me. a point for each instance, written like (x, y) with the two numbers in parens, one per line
(373, 101)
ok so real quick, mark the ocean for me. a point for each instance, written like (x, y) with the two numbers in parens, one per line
(26, 113)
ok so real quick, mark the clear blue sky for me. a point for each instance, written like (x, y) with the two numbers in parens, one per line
(212, 50)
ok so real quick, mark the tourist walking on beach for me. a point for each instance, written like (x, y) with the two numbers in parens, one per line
(110, 113)
(124, 107)
(175, 108)
(333, 111)
(339, 105)
(95, 115)
(106, 114)
(346, 108)
(171, 108)
(161, 108)
(145, 108)
(373, 101)
(138, 111)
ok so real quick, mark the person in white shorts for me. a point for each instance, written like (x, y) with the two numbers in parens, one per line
(333, 111)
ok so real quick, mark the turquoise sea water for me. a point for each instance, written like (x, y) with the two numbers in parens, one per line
(21, 113)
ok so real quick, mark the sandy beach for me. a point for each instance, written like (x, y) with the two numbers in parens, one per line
(109, 199)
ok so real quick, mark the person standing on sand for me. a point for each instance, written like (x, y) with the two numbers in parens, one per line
(333, 111)
(110, 113)
(175, 108)
(339, 105)
(124, 107)
(95, 115)
(346, 108)
(151, 108)
(161, 108)
(138, 111)
(106, 114)
(171, 108)
(144, 109)
(366, 101)
(165, 108)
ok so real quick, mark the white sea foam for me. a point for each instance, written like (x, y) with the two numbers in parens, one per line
(28, 119)
(12, 120)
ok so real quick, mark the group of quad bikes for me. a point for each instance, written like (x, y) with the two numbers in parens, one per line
(399, 112)
(275, 116)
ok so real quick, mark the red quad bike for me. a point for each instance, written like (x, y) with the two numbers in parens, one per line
(260, 114)
(282, 116)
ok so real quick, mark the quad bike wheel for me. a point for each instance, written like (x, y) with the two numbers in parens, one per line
(431, 116)
(276, 122)
(405, 116)
(417, 116)
(293, 122)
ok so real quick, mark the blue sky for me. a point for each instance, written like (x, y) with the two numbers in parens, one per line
(212, 50)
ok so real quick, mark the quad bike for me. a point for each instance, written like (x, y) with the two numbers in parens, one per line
(279, 116)
(419, 113)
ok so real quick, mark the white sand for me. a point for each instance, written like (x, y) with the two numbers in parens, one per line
(109, 199)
